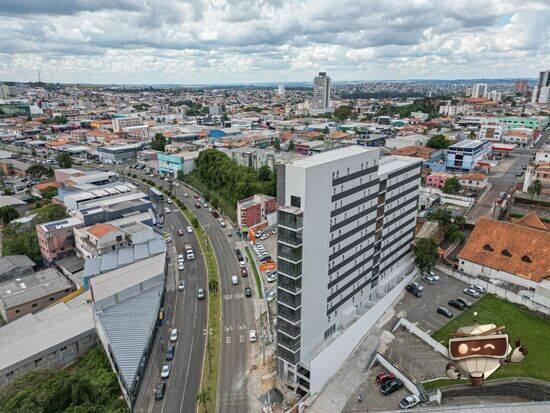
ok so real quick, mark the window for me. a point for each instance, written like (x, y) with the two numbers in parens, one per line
(34, 305)
(51, 299)
(506, 253)
(487, 247)
(16, 311)
(295, 201)
(330, 330)
(526, 258)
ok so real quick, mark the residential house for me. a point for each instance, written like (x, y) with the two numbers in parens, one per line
(475, 180)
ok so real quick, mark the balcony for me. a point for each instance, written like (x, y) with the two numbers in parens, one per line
(290, 269)
(303, 372)
(287, 328)
(288, 356)
(292, 316)
(288, 299)
(289, 343)
(289, 253)
(290, 220)
(290, 237)
(290, 284)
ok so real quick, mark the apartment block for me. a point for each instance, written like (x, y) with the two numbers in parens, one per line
(464, 155)
(125, 122)
(255, 210)
(346, 222)
(56, 238)
(492, 131)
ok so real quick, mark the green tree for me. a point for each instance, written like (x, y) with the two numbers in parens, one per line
(213, 286)
(277, 144)
(158, 143)
(215, 203)
(8, 191)
(39, 171)
(49, 192)
(50, 212)
(535, 188)
(8, 214)
(64, 160)
(264, 173)
(180, 175)
(451, 186)
(342, 113)
(203, 397)
(438, 142)
(426, 253)
(291, 146)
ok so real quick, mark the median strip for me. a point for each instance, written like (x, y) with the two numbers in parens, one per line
(256, 274)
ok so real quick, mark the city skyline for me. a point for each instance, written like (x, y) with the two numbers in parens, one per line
(206, 42)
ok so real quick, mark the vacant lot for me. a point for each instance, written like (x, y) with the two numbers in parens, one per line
(533, 330)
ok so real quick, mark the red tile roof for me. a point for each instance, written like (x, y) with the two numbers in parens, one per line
(100, 230)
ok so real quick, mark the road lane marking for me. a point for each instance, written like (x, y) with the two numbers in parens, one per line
(228, 340)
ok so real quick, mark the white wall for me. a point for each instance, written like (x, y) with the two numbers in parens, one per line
(327, 363)
(473, 269)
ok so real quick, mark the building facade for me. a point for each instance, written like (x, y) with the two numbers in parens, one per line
(464, 155)
(479, 90)
(172, 163)
(125, 122)
(115, 154)
(345, 223)
(544, 81)
(321, 94)
(534, 122)
(255, 210)
(56, 239)
(492, 131)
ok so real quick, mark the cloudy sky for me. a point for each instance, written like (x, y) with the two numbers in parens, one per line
(226, 41)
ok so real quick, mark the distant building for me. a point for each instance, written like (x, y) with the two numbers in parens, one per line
(281, 90)
(534, 122)
(140, 133)
(543, 154)
(479, 90)
(521, 86)
(20, 206)
(13, 167)
(544, 95)
(492, 131)
(255, 210)
(172, 163)
(123, 122)
(438, 179)
(31, 293)
(56, 239)
(116, 154)
(454, 110)
(464, 155)
(406, 140)
(214, 110)
(321, 94)
(15, 107)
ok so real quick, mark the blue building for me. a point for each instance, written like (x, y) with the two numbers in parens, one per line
(171, 163)
(464, 155)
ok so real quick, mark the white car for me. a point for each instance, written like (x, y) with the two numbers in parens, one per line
(180, 266)
(271, 296)
(165, 371)
(210, 210)
(205, 205)
(168, 240)
(168, 200)
(434, 275)
(242, 264)
(186, 195)
(252, 335)
(189, 230)
(167, 210)
(264, 236)
(174, 334)
(222, 223)
(234, 280)
(479, 289)
(180, 257)
(271, 277)
(409, 402)
(181, 285)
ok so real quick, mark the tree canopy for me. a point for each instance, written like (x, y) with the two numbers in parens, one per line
(39, 171)
(426, 253)
(341, 113)
(158, 143)
(535, 188)
(438, 142)
(8, 214)
(64, 160)
(451, 186)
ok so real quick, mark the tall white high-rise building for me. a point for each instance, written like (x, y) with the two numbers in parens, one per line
(544, 81)
(544, 95)
(321, 94)
(346, 223)
(281, 90)
(479, 90)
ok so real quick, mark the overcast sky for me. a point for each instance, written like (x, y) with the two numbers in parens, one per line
(226, 41)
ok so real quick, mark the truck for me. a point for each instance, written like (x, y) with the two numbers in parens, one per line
(189, 251)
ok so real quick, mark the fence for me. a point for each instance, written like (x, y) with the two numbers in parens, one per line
(494, 289)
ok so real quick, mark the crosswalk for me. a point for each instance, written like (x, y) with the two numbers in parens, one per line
(234, 399)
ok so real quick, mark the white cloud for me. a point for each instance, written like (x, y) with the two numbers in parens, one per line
(165, 41)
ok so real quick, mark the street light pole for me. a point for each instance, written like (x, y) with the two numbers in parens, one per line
(207, 334)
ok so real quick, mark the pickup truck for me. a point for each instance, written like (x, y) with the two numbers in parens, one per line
(189, 251)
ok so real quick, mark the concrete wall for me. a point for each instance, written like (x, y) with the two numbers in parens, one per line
(403, 322)
(327, 363)
(476, 270)
(409, 384)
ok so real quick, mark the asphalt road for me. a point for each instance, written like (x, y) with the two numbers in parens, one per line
(237, 310)
(186, 313)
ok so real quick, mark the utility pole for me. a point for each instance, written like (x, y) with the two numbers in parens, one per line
(207, 333)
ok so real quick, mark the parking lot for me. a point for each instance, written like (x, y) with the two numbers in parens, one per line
(270, 245)
(423, 310)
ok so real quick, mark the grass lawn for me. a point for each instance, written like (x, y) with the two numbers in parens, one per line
(256, 274)
(533, 330)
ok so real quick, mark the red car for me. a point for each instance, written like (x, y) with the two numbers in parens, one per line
(244, 272)
(384, 376)
(197, 205)
(196, 196)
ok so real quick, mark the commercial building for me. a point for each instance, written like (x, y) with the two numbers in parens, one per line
(406, 140)
(141, 132)
(115, 154)
(124, 122)
(479, 90)
(31, 293)
(543, 154)
(321, 94)
(113, 207)
(492, 131)
(51, 338)
(544, 95)
(15, 266)
(346, 222)
(255, 210)
(464, 155)
(56, 239)
(15, 107)
(172, 163)
(534, 122)
(75, 199)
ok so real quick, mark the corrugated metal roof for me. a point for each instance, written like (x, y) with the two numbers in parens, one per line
(128, 326)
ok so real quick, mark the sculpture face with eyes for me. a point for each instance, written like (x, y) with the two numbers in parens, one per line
(478, 346)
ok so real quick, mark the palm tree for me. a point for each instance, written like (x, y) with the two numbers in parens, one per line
(213, 286)
(535, 188)
(204, 398)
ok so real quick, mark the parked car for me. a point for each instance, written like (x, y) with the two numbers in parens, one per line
(170, 352)
(174, 334)
(464, 301)
(264, 236)
(414, 290)
(445, 312)
(429, 279)
(417, 285)
(409, 402)
(167, 210)
(181, 266)
(238, 252)
(434, 275)
(248, 292)
(222, 223)
(391, 386)
(197, 205)
(215, 214)
(266, 257)
(165, 373)
(457, 304)
(161, 388)
(234, 280)
(244, 272)
(200, 294)
(471, 292)
(384, 376)
(242, 264)
(271, 296)
(181, 285)
(480, 289)
(271, 276)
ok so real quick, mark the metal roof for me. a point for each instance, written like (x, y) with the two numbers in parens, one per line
(128, 326)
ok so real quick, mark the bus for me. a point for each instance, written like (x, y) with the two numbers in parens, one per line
(156, 195)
